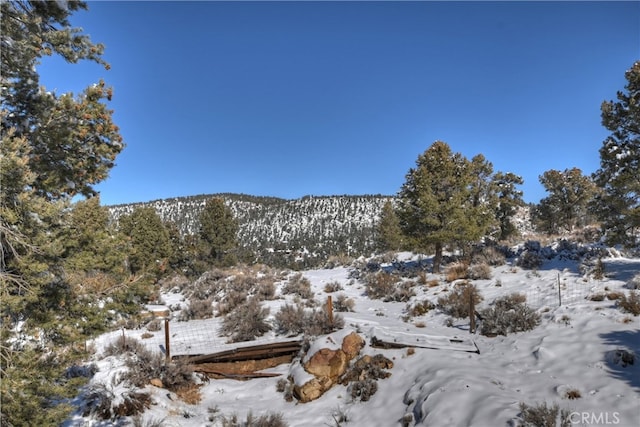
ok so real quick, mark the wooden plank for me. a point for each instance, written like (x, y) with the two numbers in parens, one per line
(260, 351)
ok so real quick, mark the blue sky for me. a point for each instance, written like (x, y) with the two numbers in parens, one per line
(289, 99)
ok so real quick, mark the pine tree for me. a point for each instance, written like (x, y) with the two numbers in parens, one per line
(618, 206)
(148, 241)
(53, 148)
(509, 199)
(565, 208)
(446, 199)
(388, 233)
(218, 233)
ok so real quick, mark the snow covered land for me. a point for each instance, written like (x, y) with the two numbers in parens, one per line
(583, 356)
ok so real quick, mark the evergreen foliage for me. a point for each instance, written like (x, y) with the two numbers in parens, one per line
(447, 199)
(565, 208)
(53, 147)
(618, 205)
(388, 233)
(509, 199)
(148, 241)
(218, 233)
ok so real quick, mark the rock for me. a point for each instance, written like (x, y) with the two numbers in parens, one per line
(327, 366)
(352, 344)
(157, 382)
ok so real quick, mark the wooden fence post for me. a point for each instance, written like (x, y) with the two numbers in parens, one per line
(330, 309)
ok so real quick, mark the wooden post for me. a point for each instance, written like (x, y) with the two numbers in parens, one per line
(330, 309)
(559, 292)
(124, 342)
(166, 339)
(472, 314)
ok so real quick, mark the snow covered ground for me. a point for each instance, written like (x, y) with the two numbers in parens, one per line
(574, 351)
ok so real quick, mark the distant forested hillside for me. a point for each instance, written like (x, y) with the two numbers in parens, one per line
(279, 231)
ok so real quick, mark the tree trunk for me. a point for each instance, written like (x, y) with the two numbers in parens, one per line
(437, 259)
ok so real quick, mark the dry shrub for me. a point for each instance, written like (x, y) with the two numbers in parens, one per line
(420, 308)
(634, 282)
(100, 402)
(530, 260)
(197, 309)
(363, 390)
(480, 272)
(233, 299)
(544, 416)
(318, 323)
(380, 284)
(265, 290)
(388, 287)
(509, 314)
(154, 325)
(456, 271)
(572, 394)
(343, 304)
(290, 320)
(614, 295)
(432, 283)
(489, 255)
(92, 283)
(298, 285)
(246, 322)
(271, 419)
(597, 297)
(456, 303)
(631, 303)
(334, 286)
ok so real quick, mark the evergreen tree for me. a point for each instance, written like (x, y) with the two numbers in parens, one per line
(618, 206)
(91, 244)
(218, 233)
(446, 199)
(389, 234)
(53, 147)
(509, 199)
(148, 241)
(565, 208)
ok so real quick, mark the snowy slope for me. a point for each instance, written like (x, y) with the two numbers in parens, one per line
(573, 349)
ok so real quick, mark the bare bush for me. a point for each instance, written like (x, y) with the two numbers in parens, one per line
(101, 402)
(458, 301)
(272, 419)
(298, 285)
(363, 390)
(420, 308)
(509, 314)
(343, 304)
(265, 290)
(489, 255)
(634, 282)
(319, 323)
(530, 260)
(630, 303)
(334, 286)
(380, 284)
(290, 320)
(145, 365)
(233, 299)
(544, 416)
(197, 309)
(246, 322)
(456, 271)
(480, 272)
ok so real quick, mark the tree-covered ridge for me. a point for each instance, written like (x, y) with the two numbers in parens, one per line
(320, 225)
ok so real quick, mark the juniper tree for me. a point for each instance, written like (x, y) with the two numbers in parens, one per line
(618, 206)
(388, 232)
(509, 199)
(446, 199)
(218, 233)
(565, 208)
(147, 240)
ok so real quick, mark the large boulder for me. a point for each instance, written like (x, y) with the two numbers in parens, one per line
(326, 365)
